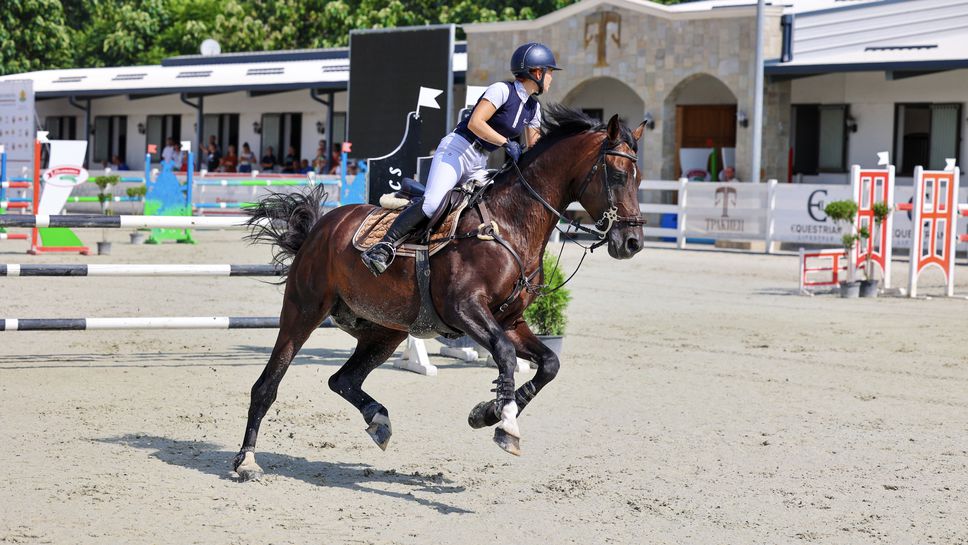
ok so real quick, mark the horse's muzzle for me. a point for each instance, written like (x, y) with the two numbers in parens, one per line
(624, 243)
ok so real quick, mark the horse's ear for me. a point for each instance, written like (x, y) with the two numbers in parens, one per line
(637, 132)
(614, 128)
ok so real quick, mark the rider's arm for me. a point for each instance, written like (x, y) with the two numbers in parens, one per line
(532, 135)
(478, 123)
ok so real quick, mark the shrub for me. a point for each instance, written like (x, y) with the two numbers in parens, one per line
(546, 315)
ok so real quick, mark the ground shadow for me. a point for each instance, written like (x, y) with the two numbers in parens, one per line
(210, 459)
(244, 356)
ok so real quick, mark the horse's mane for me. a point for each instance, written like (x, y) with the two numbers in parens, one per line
(560, 122)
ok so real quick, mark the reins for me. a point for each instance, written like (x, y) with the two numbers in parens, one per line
(610, 216)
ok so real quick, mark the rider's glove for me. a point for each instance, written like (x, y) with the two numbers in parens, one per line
(513, 150)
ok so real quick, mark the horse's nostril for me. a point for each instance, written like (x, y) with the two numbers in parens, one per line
(632, 244)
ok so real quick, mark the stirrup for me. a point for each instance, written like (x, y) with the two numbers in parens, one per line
(375, 265)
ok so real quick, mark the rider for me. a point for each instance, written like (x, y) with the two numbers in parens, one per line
(499, 117)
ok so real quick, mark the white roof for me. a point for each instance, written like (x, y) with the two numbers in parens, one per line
(886, 35)
(268, 71)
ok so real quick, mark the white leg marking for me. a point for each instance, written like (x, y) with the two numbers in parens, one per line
(509, 419)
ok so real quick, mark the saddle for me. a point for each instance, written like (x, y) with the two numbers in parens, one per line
(440, 229)
(424, 243)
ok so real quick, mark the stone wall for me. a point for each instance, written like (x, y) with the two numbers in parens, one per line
(655, 55)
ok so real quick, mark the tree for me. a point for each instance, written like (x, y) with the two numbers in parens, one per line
(33, 36)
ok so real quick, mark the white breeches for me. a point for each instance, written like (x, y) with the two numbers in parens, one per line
(454, 161)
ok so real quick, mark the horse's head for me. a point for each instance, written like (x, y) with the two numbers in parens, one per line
(611, 192)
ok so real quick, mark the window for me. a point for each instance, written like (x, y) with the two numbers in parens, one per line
(110, 138)
(61, 127)
(225, 129)
(281, 131)
(820, 138)
(925, 135)
(160, 129)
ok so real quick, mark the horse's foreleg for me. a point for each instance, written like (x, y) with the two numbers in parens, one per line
(375, 344)
(528, 347)
(480, 325)
(295, 326)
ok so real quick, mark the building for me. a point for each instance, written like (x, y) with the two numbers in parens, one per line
(844, 80)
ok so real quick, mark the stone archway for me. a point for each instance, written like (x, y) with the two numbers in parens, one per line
(700, 112)
(603, 97)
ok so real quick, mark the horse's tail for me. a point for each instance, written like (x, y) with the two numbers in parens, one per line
(285, 220)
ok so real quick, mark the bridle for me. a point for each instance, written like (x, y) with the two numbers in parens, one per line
(613, 179)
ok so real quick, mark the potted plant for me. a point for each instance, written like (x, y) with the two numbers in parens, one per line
(138, 192)
(546, 314)
(868, 286)
(843, 212)
(105, 198)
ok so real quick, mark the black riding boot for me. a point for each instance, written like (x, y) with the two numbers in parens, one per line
(379, 256)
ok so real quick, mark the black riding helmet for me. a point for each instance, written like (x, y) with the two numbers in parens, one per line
(530, 56)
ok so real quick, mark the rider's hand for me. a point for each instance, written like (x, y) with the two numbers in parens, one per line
(513, 150)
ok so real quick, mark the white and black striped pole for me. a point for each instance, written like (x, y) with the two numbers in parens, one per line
(80, 221)
(123, 269)
(189, 322)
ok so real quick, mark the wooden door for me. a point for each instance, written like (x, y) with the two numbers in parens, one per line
(705, 126)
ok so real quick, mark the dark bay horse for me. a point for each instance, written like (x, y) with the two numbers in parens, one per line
(577, 159)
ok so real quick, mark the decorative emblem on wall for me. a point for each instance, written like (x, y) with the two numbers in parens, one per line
(728, 196)
(597, 29)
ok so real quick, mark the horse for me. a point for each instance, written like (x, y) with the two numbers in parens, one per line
(577, 159)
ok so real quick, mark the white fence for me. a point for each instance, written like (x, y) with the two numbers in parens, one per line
(770, 212)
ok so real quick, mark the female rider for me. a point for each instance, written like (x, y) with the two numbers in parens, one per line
(500, 116)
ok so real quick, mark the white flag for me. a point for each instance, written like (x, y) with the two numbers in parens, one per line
(949, 164)
(882, 158)
(42, 136)
(428, 98)
(186, 146)
(474, 92)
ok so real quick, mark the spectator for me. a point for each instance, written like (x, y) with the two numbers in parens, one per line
(230, 161)
(181, 158)
(168, 154)
(117, 164)
(212, 141)
(269, 160)
(291, 157)
(212, 158)
(304, 167)
(291, 167)
(319, 162)
(335, 156)
(247, 159)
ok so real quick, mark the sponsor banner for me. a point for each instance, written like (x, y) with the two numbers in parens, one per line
(800, 217)
(725, 210)
(17, 129)
(64, 173)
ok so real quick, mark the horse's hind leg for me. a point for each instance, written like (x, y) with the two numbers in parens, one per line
(296, 323)
(528, 347)
(375, 344)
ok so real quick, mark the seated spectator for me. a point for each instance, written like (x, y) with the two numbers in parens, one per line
(291, 157)
(304, 167)
(212, 158)
(335, 156)
(247, 159)
(230, 161)
(117, 164)
(319, 162)
(168, 154)
(269, 161)
(290, 168)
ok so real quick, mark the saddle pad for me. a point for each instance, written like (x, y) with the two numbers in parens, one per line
(376, 223)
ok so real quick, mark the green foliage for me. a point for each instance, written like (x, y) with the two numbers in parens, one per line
(546, 315)
(848, 241)
(103, 197)
(45, 34)
(841, 211)
(33, 36)
(881, 210)
(137, 191)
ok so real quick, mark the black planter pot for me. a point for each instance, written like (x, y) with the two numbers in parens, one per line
(868, 288)
(850, 290)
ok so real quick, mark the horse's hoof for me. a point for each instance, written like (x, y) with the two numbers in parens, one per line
(246, 467)
(508, 442)
(483, 415)
(380, 430)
